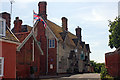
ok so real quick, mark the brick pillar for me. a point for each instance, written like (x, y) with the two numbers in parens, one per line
(64, 23)
(17, 25)
(42, 9)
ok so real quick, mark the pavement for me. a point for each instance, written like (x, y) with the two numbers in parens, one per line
(85, 76)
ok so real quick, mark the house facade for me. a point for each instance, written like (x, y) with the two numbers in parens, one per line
(28, 52)
(47, 50)
(66, 52)
(63, 51)
(8, 43)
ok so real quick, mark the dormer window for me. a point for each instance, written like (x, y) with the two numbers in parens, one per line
(2, 27)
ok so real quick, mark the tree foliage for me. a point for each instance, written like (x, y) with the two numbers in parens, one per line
(97, 66)
(114, 37)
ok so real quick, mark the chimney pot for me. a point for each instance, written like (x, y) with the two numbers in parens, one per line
(78, 33)
(42, 9)
(17, 18)
(64, 23)
(17, 25)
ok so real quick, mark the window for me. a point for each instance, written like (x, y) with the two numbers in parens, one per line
(86, 54)
(2, 27)
(51, 43)
(76, 50)
(82, 56)
(1, 66)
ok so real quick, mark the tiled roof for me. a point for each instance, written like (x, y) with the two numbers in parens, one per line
(10, 36)
(25, 28)
(75, 41)
(82, 44)
(57, 30)
(87, 47)
(63, 35)
(29, 28)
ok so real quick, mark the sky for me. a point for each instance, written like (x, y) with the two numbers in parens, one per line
(91, 15)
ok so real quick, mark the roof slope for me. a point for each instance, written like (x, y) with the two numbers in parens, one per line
(10, 36)
(57, 30)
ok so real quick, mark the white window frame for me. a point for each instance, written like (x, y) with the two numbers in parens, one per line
(2, 66)
(4, 27)
(51, 44)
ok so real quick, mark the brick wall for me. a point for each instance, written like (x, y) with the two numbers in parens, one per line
(25, 62)
(112, 61)
(9, 54)
(52, 59)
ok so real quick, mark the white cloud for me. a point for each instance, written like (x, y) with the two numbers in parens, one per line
(56, 21)
(97, 16)
(94, 44)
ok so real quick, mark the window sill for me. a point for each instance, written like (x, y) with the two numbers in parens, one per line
(51, 47)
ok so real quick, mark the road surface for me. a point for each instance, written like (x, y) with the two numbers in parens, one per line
(85, 76)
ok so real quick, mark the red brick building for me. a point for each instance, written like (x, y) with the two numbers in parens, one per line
(28, 52)
(37, 50)
(112, 61)
(49, 50)
(8, 43)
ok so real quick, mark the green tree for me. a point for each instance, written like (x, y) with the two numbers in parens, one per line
(114, 37)
(97, 66)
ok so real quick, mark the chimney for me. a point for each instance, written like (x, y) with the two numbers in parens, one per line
(42, 9)
(78, 33)
(17, 25)
(7, 17)
(64, 23)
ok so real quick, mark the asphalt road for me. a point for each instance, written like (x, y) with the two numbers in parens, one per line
(85, 76)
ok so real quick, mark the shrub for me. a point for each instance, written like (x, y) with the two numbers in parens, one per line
(109, 77)
(103, 72)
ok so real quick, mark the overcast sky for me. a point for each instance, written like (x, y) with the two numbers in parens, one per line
(91, 15)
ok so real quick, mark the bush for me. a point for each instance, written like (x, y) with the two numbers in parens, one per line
(103, 72)
(97, 66)
(109, 77)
